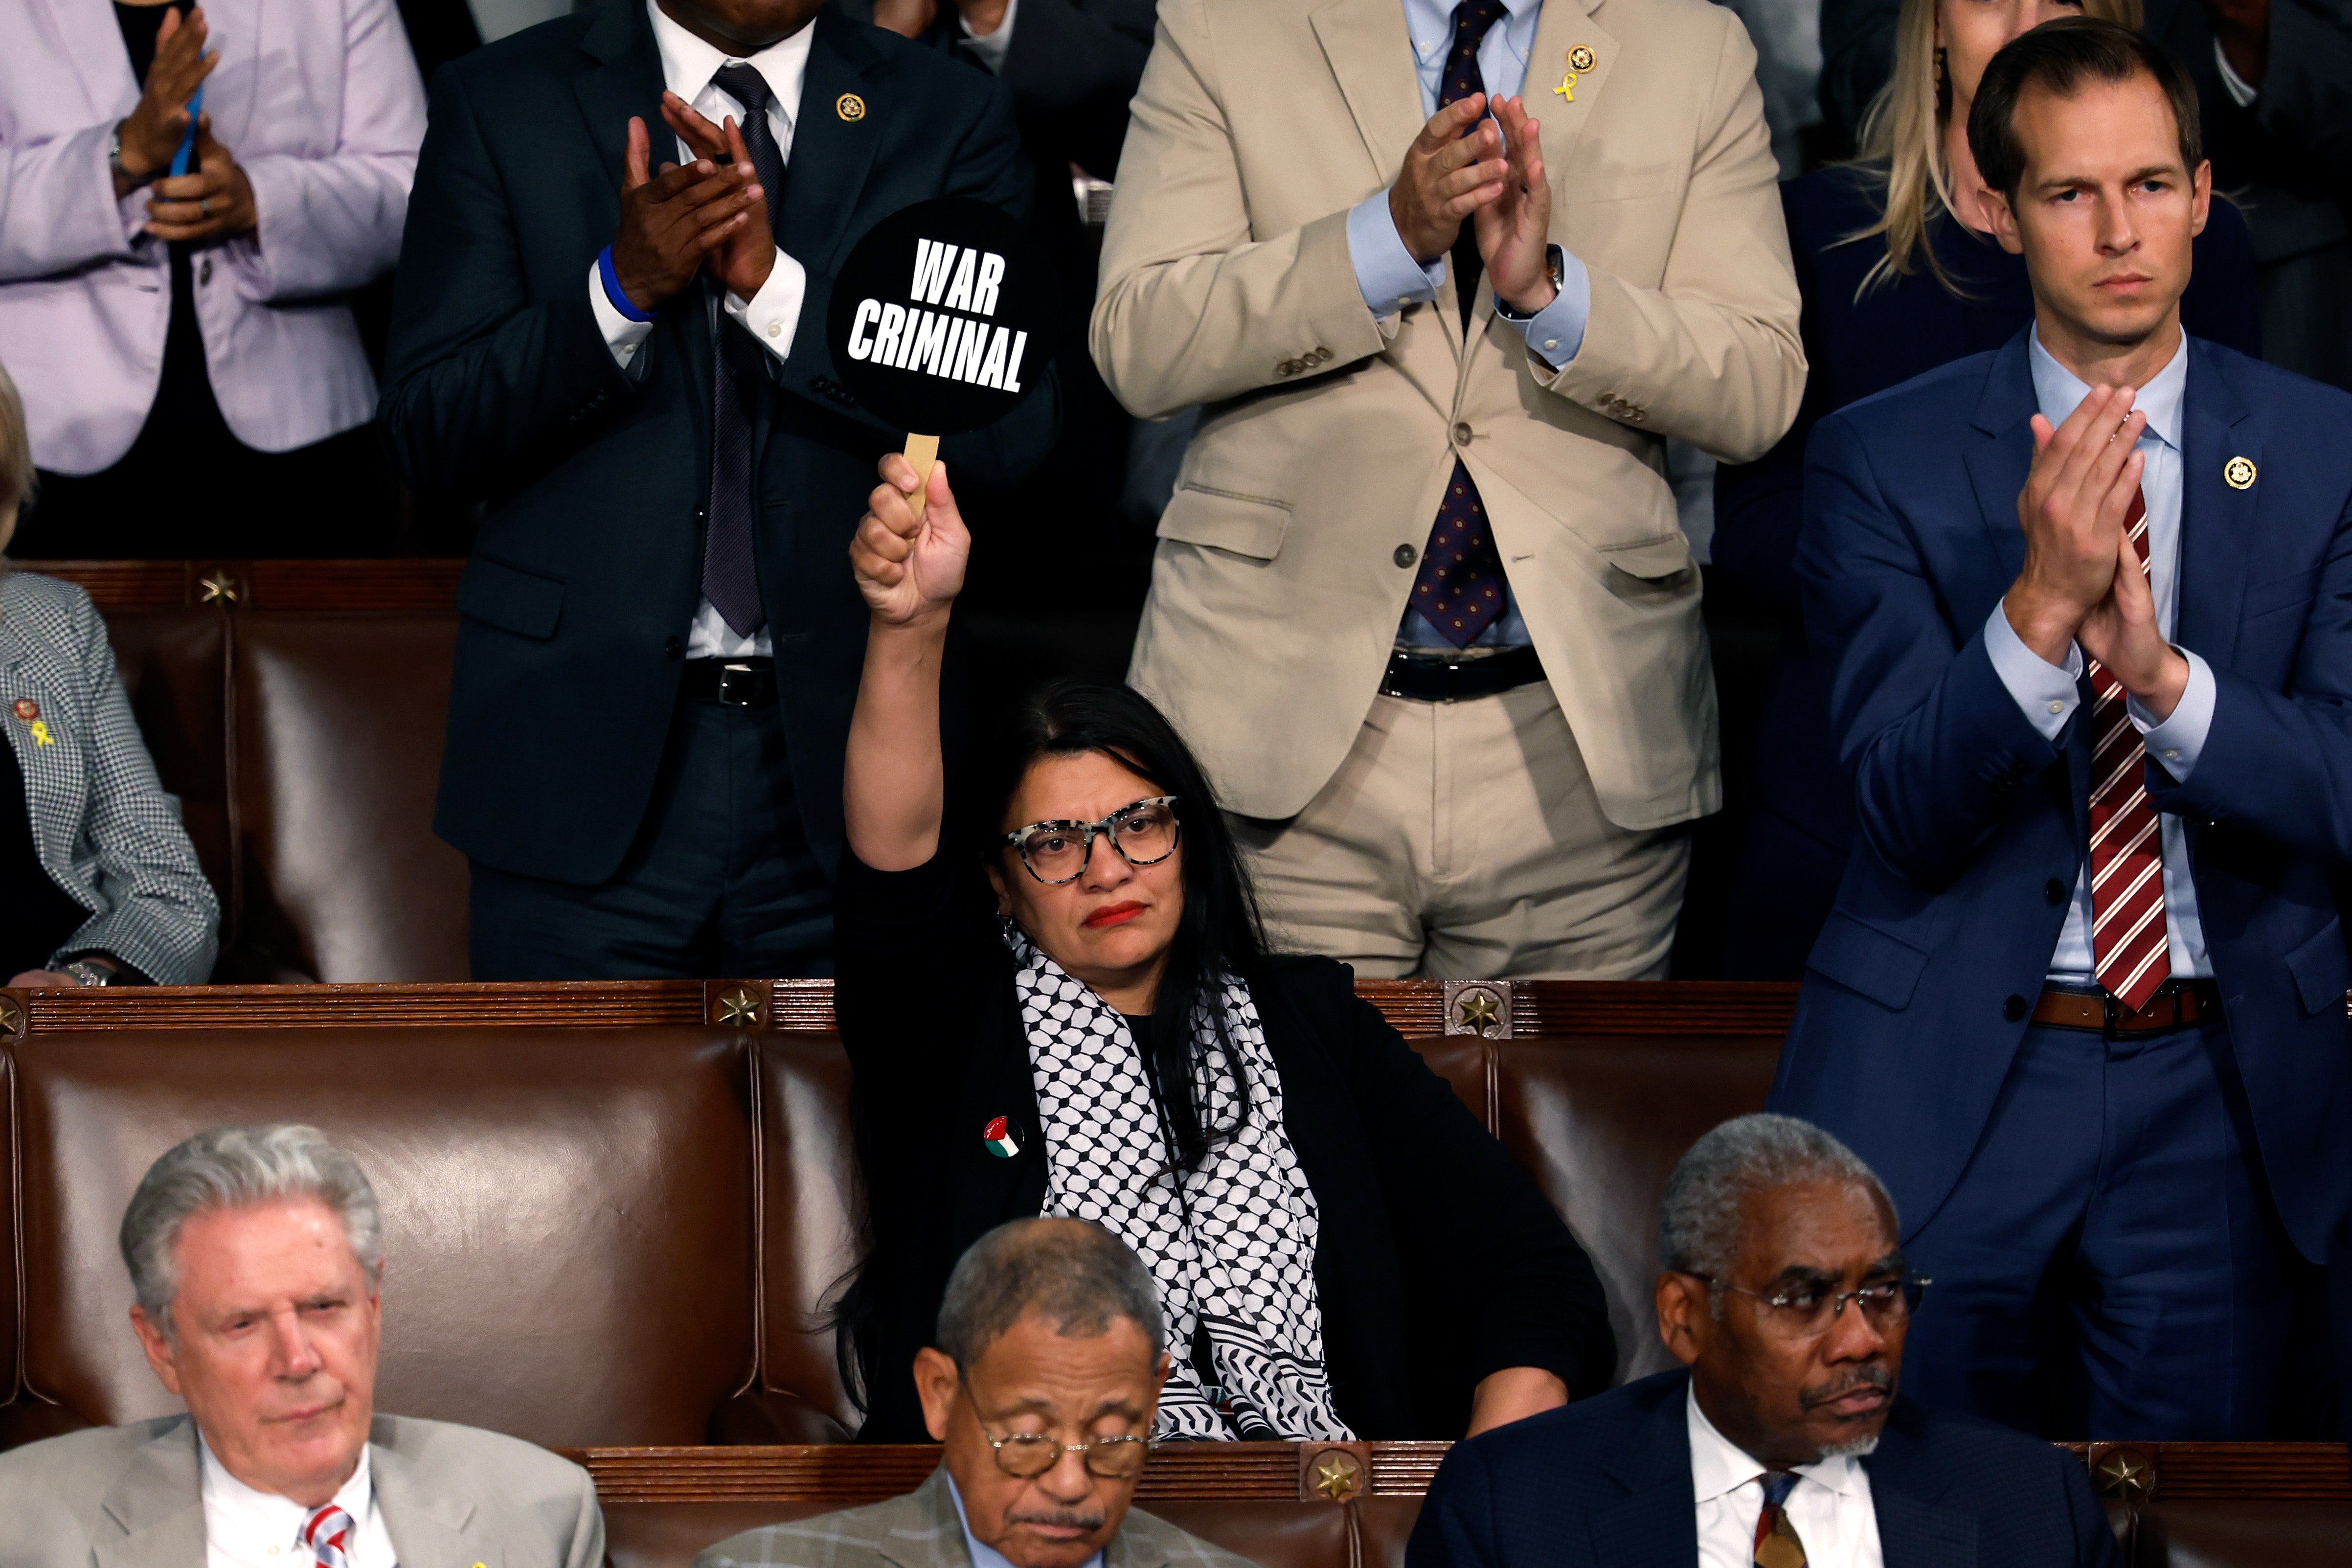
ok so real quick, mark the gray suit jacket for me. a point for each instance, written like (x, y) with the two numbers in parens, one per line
(106, 832)
(452, 1497)
(921, 1531)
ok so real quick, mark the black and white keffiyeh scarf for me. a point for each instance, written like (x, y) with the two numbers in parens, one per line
(1232, 1249)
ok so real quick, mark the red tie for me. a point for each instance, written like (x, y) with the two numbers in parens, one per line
(2128, 934)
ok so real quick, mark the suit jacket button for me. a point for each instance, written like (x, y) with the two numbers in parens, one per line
(2013, 1009)
(1462, 434)
(672, 647)
(1405, 555)
(2054, 892)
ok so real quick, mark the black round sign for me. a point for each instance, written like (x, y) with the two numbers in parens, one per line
(942, 318)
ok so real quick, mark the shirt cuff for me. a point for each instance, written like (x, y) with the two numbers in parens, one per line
(773, 314)
(2179, 741)
(622, 335)
(1386, 274)
(2045, 693)
(1556, 332)
(990, 47)
(2242, 91)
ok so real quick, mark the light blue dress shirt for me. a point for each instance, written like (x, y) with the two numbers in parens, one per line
(987, 1556)
(2049, 694)
(1390, 279)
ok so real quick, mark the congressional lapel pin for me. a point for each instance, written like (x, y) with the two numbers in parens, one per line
(999, 1140)
(850, 107)
(30, 712)
(1582, 59)
(2238, 474)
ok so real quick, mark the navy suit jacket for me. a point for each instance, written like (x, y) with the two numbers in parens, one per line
(1606, 1482)
(1857, 343)
(499, 386)
(1971, 825)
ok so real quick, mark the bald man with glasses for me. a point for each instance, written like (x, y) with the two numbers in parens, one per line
(1041, 1382)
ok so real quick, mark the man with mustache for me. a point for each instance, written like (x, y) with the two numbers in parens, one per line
(1785, 1445)
(255, 1254)
(1042, 1383)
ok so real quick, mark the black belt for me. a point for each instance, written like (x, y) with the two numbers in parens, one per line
(738, 682)
(2177, 1005)
(1450, 677)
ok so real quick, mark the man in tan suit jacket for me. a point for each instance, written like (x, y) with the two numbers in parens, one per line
(1421, 602)
(255, 1254)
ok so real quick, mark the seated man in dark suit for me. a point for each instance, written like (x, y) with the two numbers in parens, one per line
(610, 325)
(2086, 601)
(1042, 1386)
(1786, 1445)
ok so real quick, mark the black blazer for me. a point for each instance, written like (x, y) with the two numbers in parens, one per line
(499, 386)
(1438, 1260)
(1607, 1483)
(1854, 349)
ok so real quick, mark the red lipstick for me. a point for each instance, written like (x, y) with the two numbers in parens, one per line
(1113, 915)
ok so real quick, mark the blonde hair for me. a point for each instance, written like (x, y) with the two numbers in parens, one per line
(1902, 141)
(15, 458)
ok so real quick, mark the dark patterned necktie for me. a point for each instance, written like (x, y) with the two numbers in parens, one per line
(1459, 589)
(730, 576)
(1472, 18)
(2131, 951)
(1777, 1545)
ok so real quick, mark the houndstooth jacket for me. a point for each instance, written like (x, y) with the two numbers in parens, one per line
(106, 832)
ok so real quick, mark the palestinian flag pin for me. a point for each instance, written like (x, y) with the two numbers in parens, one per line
(999, 1139)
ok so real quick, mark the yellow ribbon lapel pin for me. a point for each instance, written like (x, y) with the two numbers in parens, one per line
(29, 711)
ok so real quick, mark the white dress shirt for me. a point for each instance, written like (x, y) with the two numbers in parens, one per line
(2048, 693)
(773, 315)
(1830, 1509)
(984, 1555)
(990, 47)
(249, 1529)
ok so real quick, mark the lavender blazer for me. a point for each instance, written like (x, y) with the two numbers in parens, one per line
(320, 101)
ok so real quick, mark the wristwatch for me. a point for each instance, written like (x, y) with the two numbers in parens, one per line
(1554, 259)
(88, 973)
(114, 154)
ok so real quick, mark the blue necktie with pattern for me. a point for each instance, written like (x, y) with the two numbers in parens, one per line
(1459, 589)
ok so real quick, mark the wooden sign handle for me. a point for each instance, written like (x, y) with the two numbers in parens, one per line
(922, 453)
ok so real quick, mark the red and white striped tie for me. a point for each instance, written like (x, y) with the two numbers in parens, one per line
(327, 1534)
(2128, 944)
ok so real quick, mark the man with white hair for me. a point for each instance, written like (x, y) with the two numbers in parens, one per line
(1784, 1445)
(256, 1255)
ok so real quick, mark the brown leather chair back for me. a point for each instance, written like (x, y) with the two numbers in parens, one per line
(1600, 1121)
(809, 1223)
(339, 730)
(570, 1252)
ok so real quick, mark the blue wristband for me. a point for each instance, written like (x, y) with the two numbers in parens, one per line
(613, 294)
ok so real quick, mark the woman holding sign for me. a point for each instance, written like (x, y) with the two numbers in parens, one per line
(1064, 1006)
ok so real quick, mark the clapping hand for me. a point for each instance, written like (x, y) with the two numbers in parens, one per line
(672, 221)
(152, 132)
(745, 258)
(910, 569)
(1515, 228)
(212, 200)
(1446, 176)
(2072, 509)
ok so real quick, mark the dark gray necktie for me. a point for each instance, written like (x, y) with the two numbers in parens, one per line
(730, 576)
